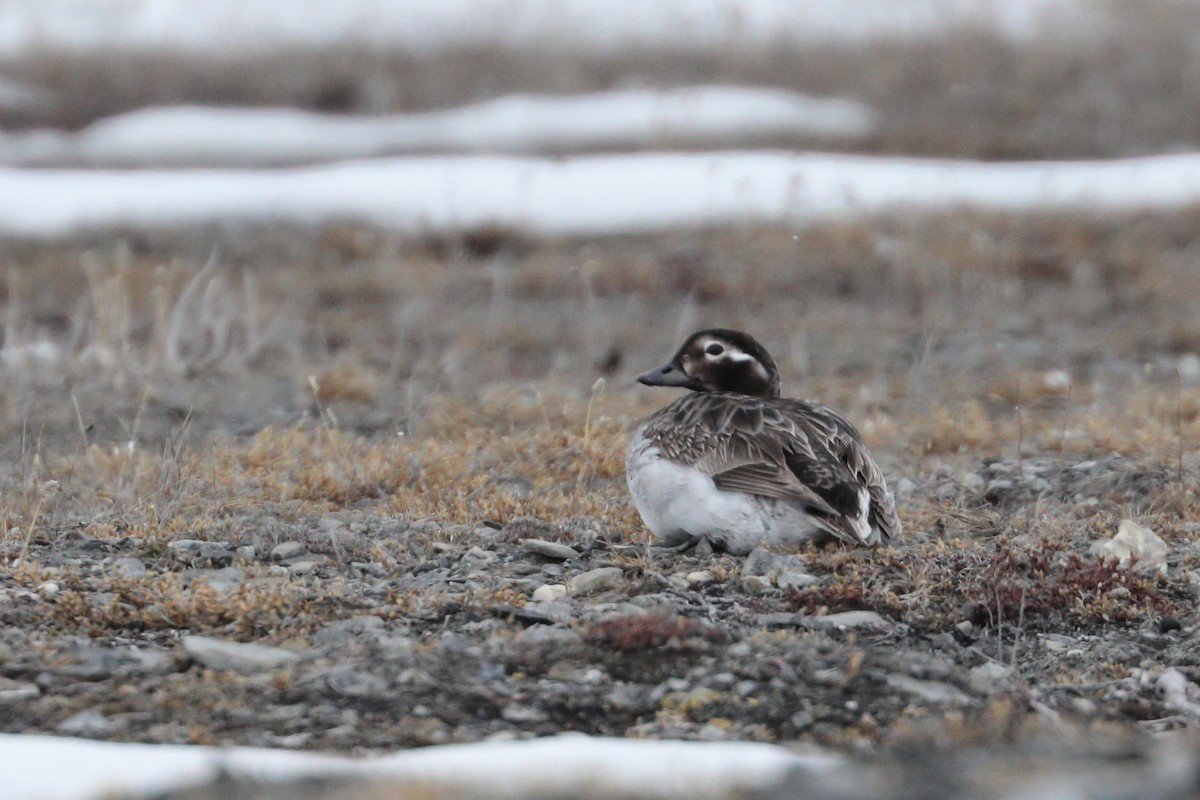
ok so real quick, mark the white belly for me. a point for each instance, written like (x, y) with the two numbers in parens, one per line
(679, 503)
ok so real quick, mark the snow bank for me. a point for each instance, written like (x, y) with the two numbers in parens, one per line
(632, 119)
(237, 28)
(567, 765)
(586, 195)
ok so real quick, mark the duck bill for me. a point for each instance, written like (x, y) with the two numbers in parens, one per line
(668, 374)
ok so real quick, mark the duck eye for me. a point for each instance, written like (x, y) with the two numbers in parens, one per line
(714, 349)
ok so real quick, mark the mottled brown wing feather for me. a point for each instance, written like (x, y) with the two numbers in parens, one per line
(787, 449)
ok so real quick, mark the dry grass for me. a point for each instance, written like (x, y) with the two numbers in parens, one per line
(408, 384)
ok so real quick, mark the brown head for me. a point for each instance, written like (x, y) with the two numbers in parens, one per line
(719, 360)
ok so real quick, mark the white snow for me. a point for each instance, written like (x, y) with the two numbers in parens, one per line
(236, 28)
(636, 118)
(54, 768)
(584, 195)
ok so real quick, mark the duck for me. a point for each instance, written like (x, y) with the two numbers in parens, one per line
(735, 466)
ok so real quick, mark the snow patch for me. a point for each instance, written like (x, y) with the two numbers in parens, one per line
(586, 195)
(565, 765)
(631, 119)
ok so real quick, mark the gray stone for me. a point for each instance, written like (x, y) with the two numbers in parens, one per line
(519, 713)
(350, 682)
(285, 550)
(764, 562)
(556, 610)
(86, 723)
(96, 663)
(225, 579)
(795, 579)
(595, 580)
(129, 568)
(549, 592)
(546, 549)
(346, 630)
(700, 578)
(851, 620)
(929, 691)
(247, 553)
(548, 636)
(15, 691)
(757, 584)
(236, 656)
(990, 677)
(195, 551)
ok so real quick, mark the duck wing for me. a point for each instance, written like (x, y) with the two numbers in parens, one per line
(784, 449)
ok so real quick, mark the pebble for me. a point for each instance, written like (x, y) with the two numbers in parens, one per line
(286, 550)
(247, 553)
(554, 610)
(701, 578)
(595, 580)
(220, 654)
(196, 551)
(549, 591)
(757, 584)
(48, 589)
(88, 722)
(794, 579)
(302, 567)
(129, 567)
(343, 631)
(349, 682)
(851, 620)
(929, 691)
(555, 550)
(1134, 541)
(990, 677)
(12, 691)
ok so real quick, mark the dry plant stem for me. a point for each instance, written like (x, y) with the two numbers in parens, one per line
(33, 522)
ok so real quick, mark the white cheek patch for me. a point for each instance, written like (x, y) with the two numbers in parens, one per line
(739, 356)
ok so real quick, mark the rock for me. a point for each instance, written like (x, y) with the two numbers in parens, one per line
(86, 723)
(15, 691)
(757, 584)
(929, 691)
(519, 713)
(1134, 541)
(781, 619)
(990, 677)
(302, 567)
(97, 663)
(785, 570)
(595, 580)
(794, 579)
(285, 550)
(350, 682)
(555, 550)
(851, 620)
(225, 579)
(345, 630)
(236, 656)
(48, 589)
(549, 591)
(697, 579)
(247, 553)
(548, 637)
(129, 568)
(550, 611)
(195, 551)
